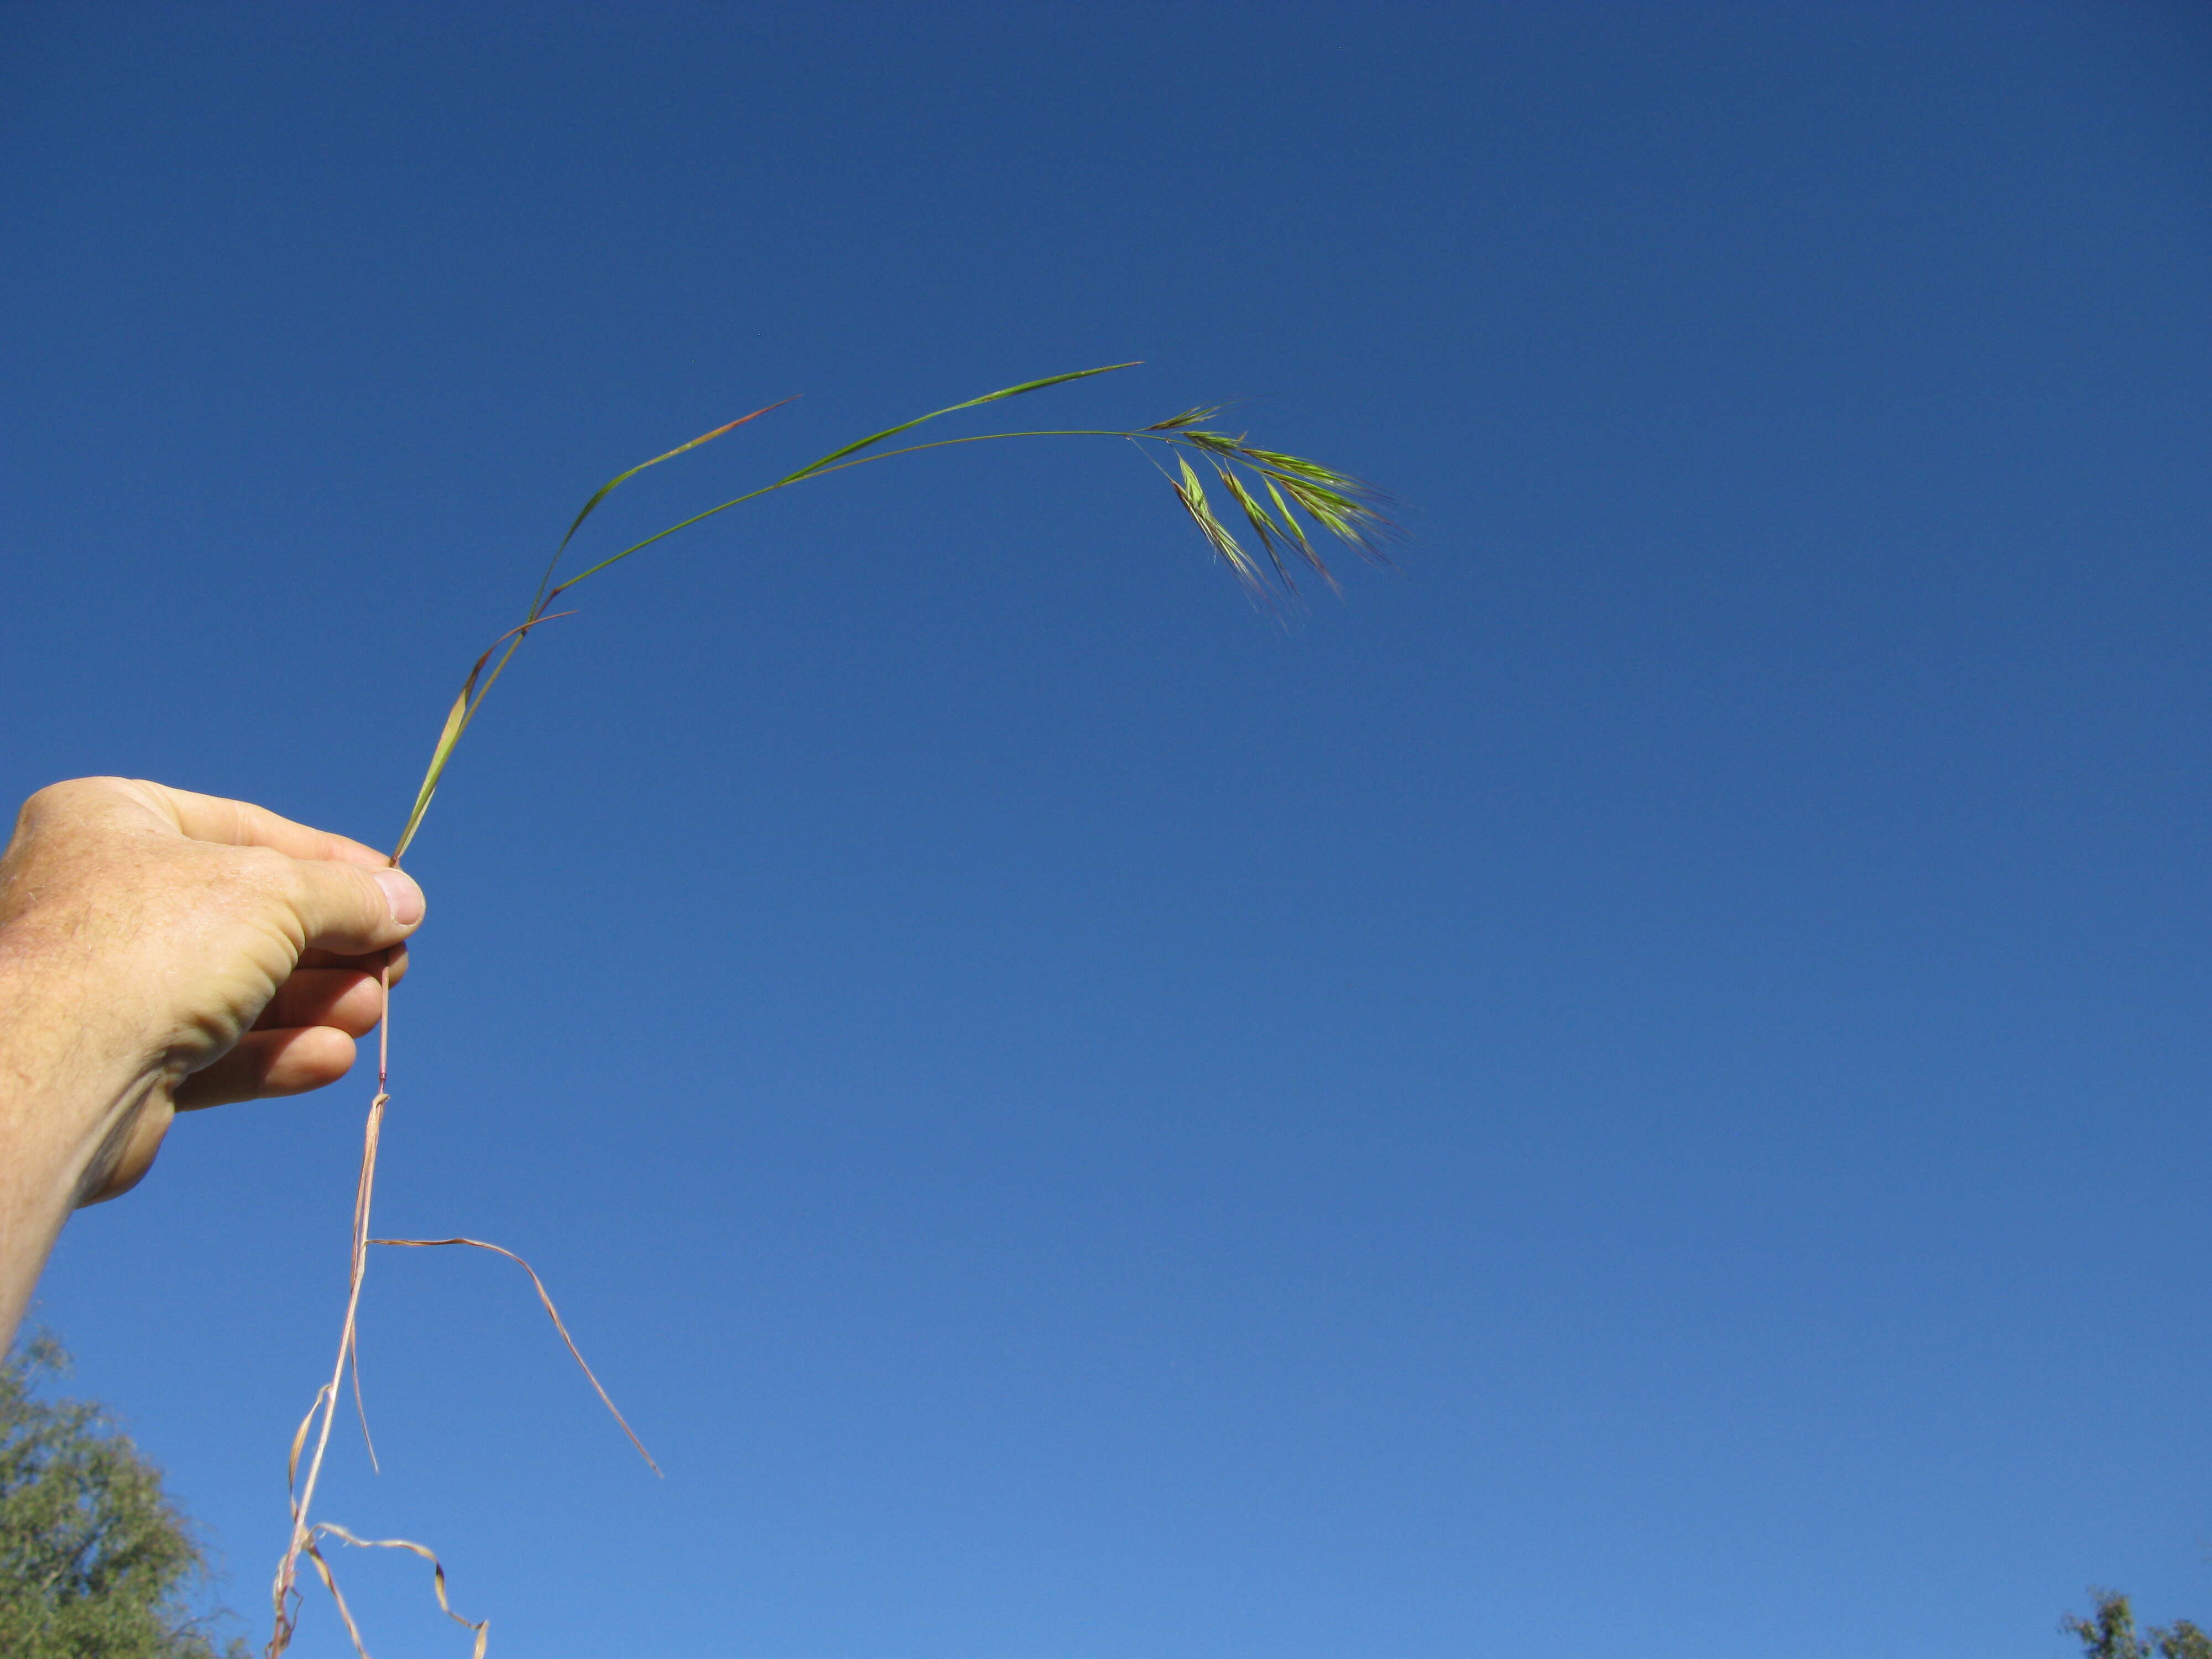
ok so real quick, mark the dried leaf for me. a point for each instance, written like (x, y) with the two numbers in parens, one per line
(551, 1312)
(332, 1529)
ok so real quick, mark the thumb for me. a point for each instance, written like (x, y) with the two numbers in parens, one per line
(352, 911)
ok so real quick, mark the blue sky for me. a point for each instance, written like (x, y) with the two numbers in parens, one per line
(1639, 1085)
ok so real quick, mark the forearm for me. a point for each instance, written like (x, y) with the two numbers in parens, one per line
(69, 1093)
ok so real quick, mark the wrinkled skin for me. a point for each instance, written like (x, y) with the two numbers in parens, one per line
(162, 952)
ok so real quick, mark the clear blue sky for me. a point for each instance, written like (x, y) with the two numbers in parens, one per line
(1638, 1087)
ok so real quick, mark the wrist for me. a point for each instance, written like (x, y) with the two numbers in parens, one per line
(74, 1074)
(67, 1113)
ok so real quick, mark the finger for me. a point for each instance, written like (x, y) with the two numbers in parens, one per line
(345, 998)
(241, 823)
(351, 910)
(371, 963)
(266, 1063)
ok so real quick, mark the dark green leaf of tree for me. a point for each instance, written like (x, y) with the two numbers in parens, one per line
(2112, 1634)
(95, 1561)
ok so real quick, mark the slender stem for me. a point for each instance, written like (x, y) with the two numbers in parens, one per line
(545, 596)
(304, 1527)
(303, 1535)
(823, 473)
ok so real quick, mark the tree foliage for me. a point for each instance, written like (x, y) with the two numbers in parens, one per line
(95, 1561)
(2112, 1634)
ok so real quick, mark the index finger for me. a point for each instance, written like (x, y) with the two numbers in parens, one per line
(241, 823)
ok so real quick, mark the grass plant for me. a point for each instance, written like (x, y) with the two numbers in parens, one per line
(1340, 507)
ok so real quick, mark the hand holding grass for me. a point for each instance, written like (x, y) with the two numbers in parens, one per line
(161, 951)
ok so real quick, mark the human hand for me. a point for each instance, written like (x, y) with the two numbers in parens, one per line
(161, 951)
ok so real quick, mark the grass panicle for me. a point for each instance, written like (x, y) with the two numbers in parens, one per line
(1342, 506)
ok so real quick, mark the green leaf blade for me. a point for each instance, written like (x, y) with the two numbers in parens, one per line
(854, 448)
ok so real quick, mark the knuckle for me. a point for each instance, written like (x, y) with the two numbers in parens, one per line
(64, 848)
(60, 800)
